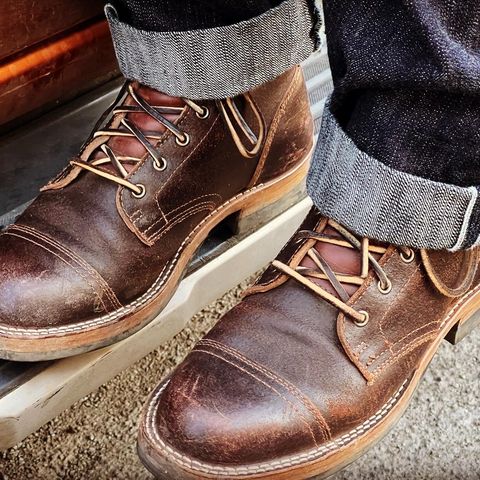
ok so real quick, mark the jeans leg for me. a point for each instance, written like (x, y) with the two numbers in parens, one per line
(398, 158)
(189, 53)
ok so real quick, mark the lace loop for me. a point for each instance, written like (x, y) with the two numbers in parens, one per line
(127, 128)
(462, 283)
(332, 299)
(144, 138)
(252, 138)
(156, 115)
(325, 272)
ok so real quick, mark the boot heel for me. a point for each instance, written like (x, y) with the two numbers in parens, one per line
(463, 328)
(270, 202)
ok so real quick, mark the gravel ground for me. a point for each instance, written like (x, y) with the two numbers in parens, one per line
(437, 439)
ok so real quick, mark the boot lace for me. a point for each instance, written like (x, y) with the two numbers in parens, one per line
(127, 128)
(325, 272)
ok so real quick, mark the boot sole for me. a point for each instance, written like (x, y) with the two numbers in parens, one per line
(42, 344)
(166, 463)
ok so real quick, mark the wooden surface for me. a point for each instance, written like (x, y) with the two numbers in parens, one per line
(41, 148)
(23, 23)
(56, 70)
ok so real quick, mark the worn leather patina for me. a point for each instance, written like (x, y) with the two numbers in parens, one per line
(87, 249)
(286, 381)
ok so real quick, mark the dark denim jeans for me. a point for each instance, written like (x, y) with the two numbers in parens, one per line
(219, 60)
(407, 107)
(178, 15)
(397, 158)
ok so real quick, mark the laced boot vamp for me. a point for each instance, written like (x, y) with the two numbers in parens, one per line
(111, 236)
(291, 381)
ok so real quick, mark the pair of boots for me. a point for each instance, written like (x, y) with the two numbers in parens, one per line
(324, 353)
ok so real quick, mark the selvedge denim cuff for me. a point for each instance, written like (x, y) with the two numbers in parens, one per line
(376, 201)
(218, 62)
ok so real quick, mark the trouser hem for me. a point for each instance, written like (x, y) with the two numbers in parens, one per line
(376, 201)
(222, 61)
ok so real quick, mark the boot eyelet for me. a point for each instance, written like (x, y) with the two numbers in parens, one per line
(159, 164)
(205, 114)
(365, 320)
(142, 192)
(184, 142)
(409, 258)
(385, 289)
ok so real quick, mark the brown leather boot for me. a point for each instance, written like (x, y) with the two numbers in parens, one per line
(315, 365)
(102, 249)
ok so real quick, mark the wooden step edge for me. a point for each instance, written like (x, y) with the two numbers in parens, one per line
(56, 71)
(24, 23)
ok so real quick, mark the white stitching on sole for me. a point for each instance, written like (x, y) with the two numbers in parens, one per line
(314, 454)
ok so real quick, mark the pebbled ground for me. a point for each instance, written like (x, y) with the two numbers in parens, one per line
(437, 439)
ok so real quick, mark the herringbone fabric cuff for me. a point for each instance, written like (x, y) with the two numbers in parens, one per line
(376, 201)
(218, 62)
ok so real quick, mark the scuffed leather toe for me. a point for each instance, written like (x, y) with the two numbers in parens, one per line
(222, 409)
(288, 386)
(42, 285)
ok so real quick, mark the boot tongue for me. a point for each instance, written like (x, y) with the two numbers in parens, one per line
(130, 146)
(342, 260)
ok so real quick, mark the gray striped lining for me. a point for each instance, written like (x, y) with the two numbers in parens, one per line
(217, 62)
(376, 201)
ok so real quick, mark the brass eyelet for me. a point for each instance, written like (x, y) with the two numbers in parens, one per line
(205, 113)
(365, 320)
(184, 142)
(409, 258)
(142, 192)
(159, 164)
(385, 289)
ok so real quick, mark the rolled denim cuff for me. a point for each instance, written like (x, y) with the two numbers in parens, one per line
(376, 201)
(218, 62)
